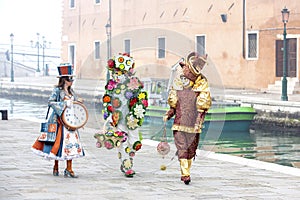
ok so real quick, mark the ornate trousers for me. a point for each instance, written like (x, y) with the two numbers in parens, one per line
(186, 144)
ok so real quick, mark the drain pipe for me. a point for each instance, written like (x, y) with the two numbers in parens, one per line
(244, 29)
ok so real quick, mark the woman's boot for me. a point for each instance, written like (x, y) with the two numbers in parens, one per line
(55, 168)
(68, 171)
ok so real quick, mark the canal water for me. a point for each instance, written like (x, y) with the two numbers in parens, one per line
(280, 148)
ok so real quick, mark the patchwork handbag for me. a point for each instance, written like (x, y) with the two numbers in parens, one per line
(48, 130)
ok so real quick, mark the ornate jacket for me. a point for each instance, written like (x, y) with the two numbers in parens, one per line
(56, 102)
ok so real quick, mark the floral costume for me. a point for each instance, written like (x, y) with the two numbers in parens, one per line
(125, 105)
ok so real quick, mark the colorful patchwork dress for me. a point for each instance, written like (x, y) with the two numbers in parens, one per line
(67, 145)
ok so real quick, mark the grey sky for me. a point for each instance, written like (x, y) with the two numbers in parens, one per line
(24, 18)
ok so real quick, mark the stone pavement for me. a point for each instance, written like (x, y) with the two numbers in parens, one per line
(26, 176)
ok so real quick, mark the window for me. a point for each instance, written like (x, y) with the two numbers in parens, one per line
(252, 45)
(71, 53)
(97, 1)
(97, 50)
(72, 3)
(161, 47)
(200, 44)
(127, 46)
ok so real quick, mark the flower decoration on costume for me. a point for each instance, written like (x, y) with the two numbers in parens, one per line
(118, 143)
(122, 86)
(137, 145)
(110, 64)
(132, 122)
(128, 94)
(109, 144)
(120, 64)
(111, 85)
(132, 102)
(106, 98)
(127, 163)
(124, 138)
(139, 111)
(117, 90)
(145, 103)
(129, 173)
(110, 108)
(116, 103)
(131, 154)
(101, 137)
(110, 138)
(133, 84)
(109, 133)
(142, 95)
(129, 89)
(105, 115)
(98, 144)
(116, 117)
(127, 149)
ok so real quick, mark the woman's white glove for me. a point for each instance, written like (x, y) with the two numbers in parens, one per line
(69, 103)
(165, 118)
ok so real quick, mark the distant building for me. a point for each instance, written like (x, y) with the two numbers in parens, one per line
(243, 39)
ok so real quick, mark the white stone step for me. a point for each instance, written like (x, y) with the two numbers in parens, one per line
(293, 87)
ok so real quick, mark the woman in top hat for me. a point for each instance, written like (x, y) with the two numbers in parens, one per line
(67, 145)
(189, 100)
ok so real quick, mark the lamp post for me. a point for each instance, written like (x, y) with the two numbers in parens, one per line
(45, 46)
(12, 79)
(108, 33)
(285, 18)
(38, 46)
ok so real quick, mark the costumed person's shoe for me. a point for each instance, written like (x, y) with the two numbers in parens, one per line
(129, 173)
(55, 172)
(55, 168)
(186, 179)
(69, 174)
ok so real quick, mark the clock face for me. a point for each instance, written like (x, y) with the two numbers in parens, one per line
(76, 116)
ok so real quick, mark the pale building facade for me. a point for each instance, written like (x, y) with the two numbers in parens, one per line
(243, 39)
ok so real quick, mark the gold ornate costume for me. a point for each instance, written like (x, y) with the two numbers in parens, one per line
(189, 100)
(194, 99)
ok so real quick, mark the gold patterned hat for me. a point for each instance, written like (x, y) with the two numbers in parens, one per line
(196, 63)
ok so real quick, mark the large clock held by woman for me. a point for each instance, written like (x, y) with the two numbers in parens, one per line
(76, 116)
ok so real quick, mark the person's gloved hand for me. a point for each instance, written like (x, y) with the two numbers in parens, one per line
(165, 118)
(69, 103)
(197, 129)
(182, 64)
(80, 100)
(199, 122)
